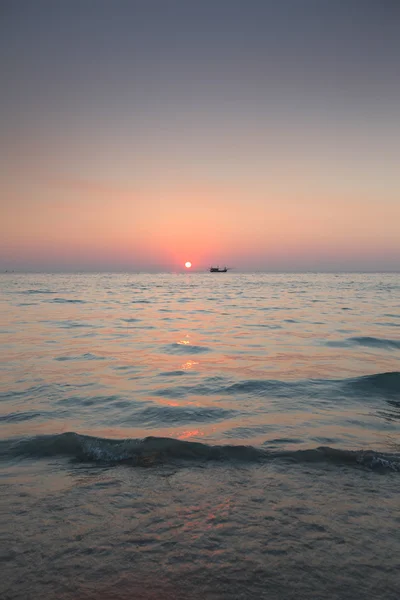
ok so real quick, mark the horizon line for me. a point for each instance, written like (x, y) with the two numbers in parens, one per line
(194, 272)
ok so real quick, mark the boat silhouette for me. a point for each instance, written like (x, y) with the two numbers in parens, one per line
(218, 270)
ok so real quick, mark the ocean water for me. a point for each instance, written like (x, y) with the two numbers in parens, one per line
(200, 436)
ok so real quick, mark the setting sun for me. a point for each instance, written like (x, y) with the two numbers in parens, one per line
(188, 265)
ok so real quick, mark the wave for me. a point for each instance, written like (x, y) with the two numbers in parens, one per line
(67, 301)
(37, 291)
(186, 349)
(380, 384)
(368, 341)
(73, 324)
(18, 416)
(86, 356)
(178, 373)
(376, 342)
(27, 304)
(384, 384)
(154, 451)
(154, 415)
(132, 320)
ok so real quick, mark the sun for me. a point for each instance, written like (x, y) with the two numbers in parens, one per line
(188, 264)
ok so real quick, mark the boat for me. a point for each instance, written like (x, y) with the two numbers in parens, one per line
(218, 270)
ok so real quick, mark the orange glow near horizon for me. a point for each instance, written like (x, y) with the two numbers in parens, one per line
(76, 225)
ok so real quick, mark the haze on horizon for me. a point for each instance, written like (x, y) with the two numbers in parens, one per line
(137, 135)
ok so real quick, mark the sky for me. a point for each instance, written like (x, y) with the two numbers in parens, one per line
(136, 135)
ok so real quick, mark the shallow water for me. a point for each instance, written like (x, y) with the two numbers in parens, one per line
(198, 435)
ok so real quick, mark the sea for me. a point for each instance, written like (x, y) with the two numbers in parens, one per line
(200, 436)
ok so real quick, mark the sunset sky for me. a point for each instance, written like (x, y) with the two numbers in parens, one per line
(139, 134)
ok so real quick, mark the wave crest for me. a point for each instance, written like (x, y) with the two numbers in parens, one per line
(153, 451)
(385, 384)
(375, 342)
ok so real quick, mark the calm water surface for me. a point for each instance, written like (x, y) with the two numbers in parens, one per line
(200, 436)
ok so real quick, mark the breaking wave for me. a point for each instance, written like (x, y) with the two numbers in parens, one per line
(153, 451)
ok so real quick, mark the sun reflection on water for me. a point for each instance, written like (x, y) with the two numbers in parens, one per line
(189, 364)
(188, 434)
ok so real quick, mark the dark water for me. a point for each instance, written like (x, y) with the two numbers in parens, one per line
(200, 436)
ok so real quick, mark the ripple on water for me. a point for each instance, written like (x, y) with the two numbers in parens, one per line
(175, 373)
(99, 400)
(179, 348)
(376, 342)
(384, 384)
(368, 341)
(160, 416)
(16, 417)
(86, 356)
(67, 324)
(67, 301)
(37, 291)
(131, 320)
